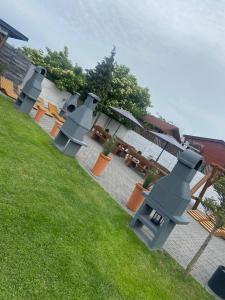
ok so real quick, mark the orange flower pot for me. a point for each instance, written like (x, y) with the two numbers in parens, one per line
(101, 163)
(56, 128)
(40, 113)
(136, 198)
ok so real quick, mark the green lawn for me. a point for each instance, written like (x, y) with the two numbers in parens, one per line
(62, 236)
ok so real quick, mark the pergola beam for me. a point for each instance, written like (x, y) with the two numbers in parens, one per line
(207, 181)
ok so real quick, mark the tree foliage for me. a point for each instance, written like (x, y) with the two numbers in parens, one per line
(217, 207)
(127, 94)
(99, 79)
(116, 86)
(113, 83)
(60, 69)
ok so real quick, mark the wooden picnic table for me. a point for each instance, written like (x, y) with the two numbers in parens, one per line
(99, 133)
(138, 161)
(143, 164)
(122, 148)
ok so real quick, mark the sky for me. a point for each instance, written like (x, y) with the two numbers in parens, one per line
(175, 48)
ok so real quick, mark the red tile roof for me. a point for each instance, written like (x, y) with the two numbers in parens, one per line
(164, 126)
(213, 150)
(199, 138)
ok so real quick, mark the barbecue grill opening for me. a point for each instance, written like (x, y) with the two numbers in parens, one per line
(71, 108)
(156, 218)
(198, 165)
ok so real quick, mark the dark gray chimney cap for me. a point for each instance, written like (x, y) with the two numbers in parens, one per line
(191, 159)
(40, 70)
(94, 96)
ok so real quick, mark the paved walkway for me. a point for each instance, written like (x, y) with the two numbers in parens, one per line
(184, 241)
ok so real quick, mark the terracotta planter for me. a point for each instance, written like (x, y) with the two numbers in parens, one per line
(136, 198)
(101, 163)
(40, 113)
(56, 128)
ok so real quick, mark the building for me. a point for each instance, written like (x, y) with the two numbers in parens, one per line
(162, 126)
(13, 63)
(213, 150)
(7, 31)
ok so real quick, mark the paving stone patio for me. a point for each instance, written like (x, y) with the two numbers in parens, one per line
(119, 181)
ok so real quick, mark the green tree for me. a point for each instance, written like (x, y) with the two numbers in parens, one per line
(216, 210)
(116, 86)
(113, 83)
(99, 79)
(127, 94)
(60, 69)
(36, 56)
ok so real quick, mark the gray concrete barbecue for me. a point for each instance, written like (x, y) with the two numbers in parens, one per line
(70, 105)
(70, 138)
(31, 90)
(163, 207)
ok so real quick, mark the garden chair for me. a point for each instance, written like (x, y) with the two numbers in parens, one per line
(7, 87)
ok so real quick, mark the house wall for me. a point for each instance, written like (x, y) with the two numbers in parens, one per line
(213, 152)
(16, 63)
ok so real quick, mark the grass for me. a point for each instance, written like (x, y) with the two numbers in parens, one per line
(62, 236)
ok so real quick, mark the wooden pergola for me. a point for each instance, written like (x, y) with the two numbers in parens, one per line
(208, 180)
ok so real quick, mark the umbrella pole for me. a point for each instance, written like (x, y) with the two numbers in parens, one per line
(108, 122)
(161, 152)
(117, 130)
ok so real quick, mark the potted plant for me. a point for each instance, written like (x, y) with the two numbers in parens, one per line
(104, 157)
(137, 197)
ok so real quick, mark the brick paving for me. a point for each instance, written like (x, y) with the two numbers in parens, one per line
(184, 241)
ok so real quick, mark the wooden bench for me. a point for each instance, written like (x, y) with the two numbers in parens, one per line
(41, 102)
(7, 87)
(137, 160)
(207, 222)
(198, 215)
(121, 148)
(54, 111)
(98, 133)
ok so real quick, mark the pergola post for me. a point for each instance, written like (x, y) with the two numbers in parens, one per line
(207, 180)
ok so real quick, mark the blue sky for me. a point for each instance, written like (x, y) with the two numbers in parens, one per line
(176, 48)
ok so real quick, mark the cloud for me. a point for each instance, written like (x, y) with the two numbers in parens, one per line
(176, 48)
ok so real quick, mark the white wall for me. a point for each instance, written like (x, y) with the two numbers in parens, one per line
(51, 93)
(113, 125)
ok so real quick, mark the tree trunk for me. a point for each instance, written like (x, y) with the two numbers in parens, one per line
(202, 193)
(199, 252)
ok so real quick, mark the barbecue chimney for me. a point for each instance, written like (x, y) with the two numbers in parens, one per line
(70, 138)
(163, 207)
(31, 90)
